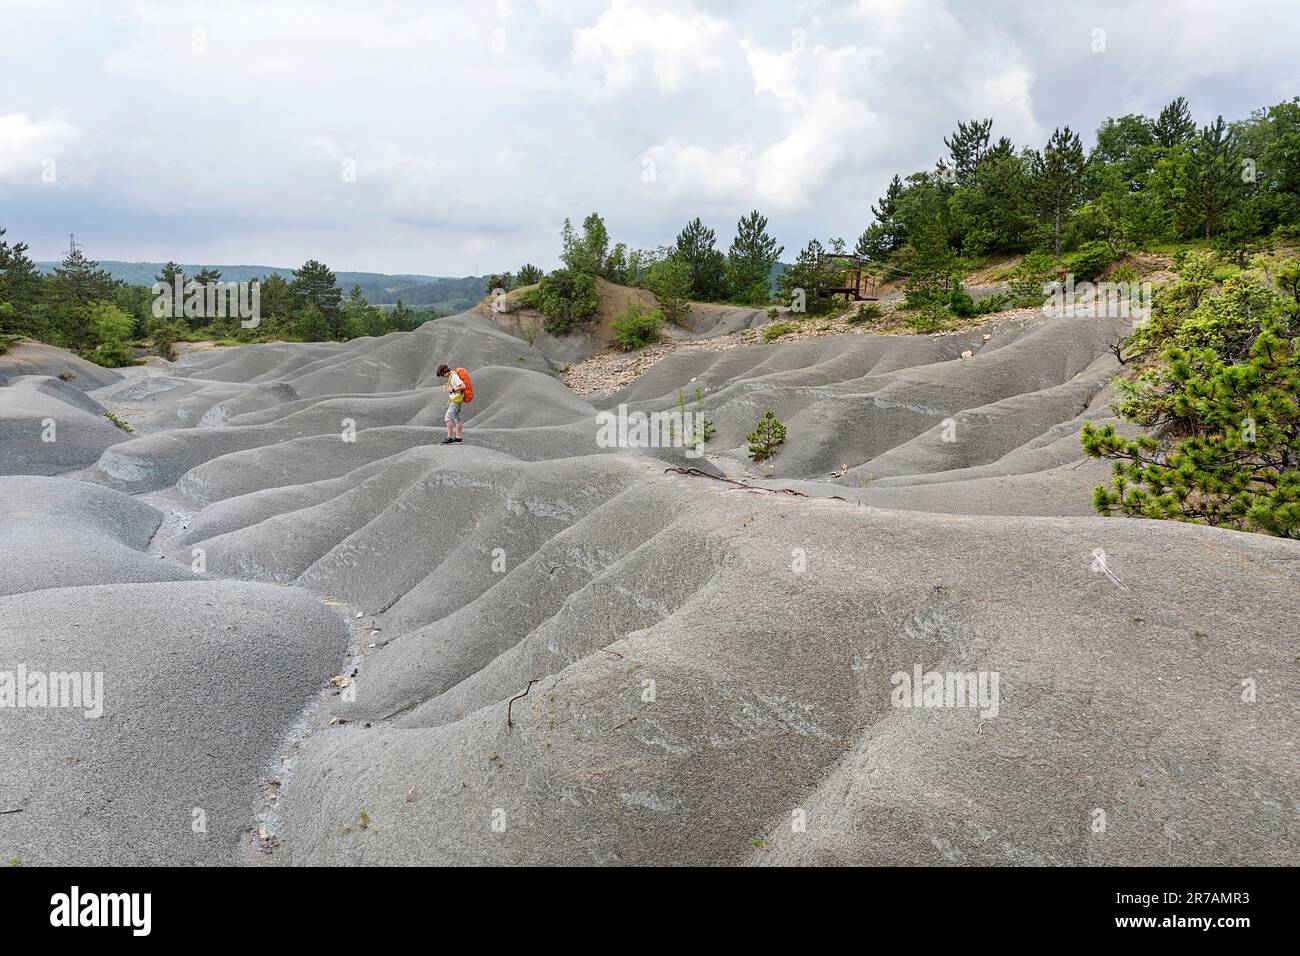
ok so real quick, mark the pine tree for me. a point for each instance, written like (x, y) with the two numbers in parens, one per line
(359, 316)
(807, 280)
(83, 279)
(169, 274)
(76, 286)
(20, 290)
(766, 436)
(1058, 179)
(1213, 176)
(315, 288)
(888, 206)
(1222, 402)
(528, 274)
(311, 324)
(695, 245)
(278, 303)
(173, 277)
(932, 264)
(1000, 201)
(1174, 125)
(751, 258)
(670, 281)
(967, 147)
(204, 278)
(886, 233)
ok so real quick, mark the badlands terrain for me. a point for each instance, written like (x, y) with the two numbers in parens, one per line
(327, 639)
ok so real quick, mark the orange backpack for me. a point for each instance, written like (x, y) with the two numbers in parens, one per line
(469, 386)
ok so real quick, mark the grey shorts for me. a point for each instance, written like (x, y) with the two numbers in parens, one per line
(453, 412)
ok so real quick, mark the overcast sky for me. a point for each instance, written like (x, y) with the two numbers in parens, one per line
(453, 138)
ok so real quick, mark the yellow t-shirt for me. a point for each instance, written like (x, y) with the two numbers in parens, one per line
(454, 383)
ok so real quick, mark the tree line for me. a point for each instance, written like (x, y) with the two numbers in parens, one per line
(692, 268)
(1147, 182)
(81, 307)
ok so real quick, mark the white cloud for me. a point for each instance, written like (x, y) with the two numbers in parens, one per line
(475, 129)
(626, 36)
(823, 130)
(28, 146)
(777, 72)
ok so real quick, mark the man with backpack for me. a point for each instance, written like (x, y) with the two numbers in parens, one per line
(459, 391)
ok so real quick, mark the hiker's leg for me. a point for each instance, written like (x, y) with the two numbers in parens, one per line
(458, 426)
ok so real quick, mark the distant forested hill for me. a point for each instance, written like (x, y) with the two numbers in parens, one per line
(448, 295)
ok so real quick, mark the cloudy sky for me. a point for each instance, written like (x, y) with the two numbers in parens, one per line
(453, 138)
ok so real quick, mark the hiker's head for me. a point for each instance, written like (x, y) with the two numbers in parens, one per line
(444, 371)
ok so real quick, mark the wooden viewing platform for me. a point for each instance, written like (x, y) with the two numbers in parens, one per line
(858, 285)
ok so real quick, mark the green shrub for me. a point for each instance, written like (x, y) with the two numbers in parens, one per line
(165, 337)
(767, 434)
(528, 274)
(670, 281)
(634, 328)
(118, 422)
(992, 303)
(1175, 302)
(1090, 260)
(978, 242)
(920, 295)
(775, 330)
(112, 354)
(959, 300)
(108, 323)
(1222, 401)
(1028, 278)
(1124, 274)
(756, 296)
(867, 312)
(705, 429)
(932, 318)
(567, 297)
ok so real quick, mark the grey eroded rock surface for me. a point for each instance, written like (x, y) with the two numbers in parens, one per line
(48, 427)
(706, 667)
(200, 681)
(34, 358)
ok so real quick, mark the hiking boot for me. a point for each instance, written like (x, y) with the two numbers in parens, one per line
(447, 441)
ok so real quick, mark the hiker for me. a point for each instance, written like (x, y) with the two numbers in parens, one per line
(459, 391)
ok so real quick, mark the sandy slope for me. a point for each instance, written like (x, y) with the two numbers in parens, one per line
(708, 669)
